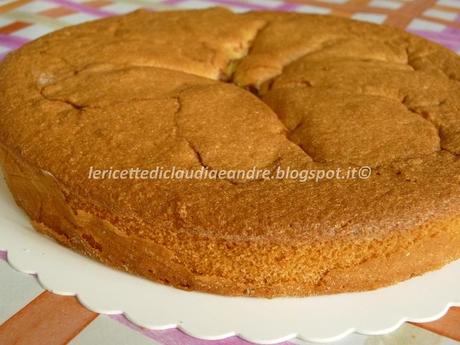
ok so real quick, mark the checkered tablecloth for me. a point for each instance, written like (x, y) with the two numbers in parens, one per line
(23, 301)
(23, 20)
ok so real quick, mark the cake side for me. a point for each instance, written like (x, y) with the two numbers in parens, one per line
(264, 269)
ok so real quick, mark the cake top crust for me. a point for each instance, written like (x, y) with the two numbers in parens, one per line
(214, 89)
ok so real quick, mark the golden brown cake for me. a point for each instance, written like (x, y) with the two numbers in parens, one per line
(214, 89)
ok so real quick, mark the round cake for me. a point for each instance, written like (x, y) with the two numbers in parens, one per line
(210, 90)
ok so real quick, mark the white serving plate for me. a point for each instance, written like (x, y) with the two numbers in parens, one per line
(206, 316)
